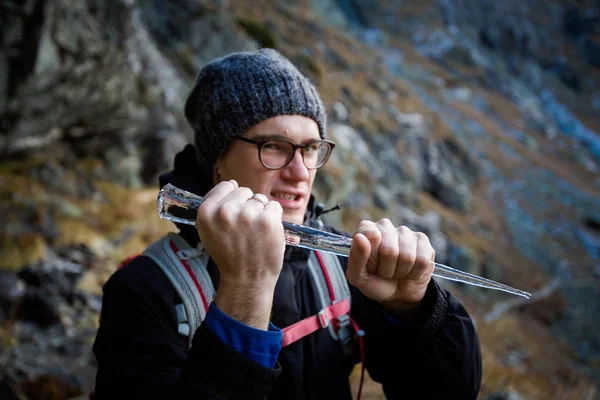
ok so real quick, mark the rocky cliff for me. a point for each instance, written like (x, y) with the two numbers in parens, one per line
(475, 122)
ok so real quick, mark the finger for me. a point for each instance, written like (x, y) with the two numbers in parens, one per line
(238, 196)
(216, 194)
(270, 219)
(253, 207)
(358, 257)
(211, 201)
(388, 249)
(407, 254)
(259, 197)
(274, 211)
(274, 208)
(250, 212)
(227, 212)
(273, 215)
(423, 267)
(370, 231)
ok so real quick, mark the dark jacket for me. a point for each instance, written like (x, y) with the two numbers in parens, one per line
(140, 354)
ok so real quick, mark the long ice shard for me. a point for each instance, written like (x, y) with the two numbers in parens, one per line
(181, 206)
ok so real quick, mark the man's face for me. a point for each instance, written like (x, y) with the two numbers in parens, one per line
(290, 186)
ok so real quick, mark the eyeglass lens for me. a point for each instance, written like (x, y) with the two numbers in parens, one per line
(277, 153)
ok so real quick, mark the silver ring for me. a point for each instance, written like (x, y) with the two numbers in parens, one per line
(260, 197)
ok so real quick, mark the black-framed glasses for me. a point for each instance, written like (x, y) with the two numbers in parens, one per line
(277, 153)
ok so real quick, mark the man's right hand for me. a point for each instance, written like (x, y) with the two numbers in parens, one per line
(245, 239)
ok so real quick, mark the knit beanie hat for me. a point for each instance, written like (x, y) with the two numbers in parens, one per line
(233, 93)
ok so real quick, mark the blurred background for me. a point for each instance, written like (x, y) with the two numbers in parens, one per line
(474, 121)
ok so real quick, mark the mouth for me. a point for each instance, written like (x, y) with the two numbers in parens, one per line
(287, 199)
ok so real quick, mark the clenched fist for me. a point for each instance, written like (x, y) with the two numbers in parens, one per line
(390, 265)
(244, 236)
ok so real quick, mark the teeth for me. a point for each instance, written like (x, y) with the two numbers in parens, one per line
(286, 196)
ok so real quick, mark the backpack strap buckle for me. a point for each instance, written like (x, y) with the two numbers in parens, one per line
(187, 254)
(315, 322)
(324, 318)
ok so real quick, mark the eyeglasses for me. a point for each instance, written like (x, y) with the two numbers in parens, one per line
(277, 153)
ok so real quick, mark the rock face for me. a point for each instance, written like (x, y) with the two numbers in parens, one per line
(472, 121)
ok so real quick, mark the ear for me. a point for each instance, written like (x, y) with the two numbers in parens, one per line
(216, 174)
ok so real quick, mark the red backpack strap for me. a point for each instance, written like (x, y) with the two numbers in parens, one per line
(333, 295)
(311, 324)
(127, 260)
(185, 268)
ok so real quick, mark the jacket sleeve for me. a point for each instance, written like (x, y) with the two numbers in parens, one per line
(435, 355)
(140, 355)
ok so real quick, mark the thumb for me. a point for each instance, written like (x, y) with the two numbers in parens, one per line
(360, 250)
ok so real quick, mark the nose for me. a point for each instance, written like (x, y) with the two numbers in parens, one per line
(296, 170)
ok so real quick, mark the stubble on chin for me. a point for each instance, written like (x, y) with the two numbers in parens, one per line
(292, 218)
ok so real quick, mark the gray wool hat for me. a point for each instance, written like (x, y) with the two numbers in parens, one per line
(233, 93)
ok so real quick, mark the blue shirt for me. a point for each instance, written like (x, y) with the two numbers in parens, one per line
(259, 345)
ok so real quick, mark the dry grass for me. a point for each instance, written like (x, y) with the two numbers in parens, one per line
(123, 221)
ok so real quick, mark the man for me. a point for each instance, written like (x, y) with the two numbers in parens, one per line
(260, 130)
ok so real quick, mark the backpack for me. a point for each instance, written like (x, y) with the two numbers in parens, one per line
(185, 268)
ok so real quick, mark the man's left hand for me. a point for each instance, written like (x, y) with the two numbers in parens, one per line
(390, 265)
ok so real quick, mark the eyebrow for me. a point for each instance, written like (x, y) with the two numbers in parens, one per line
(269, 136)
